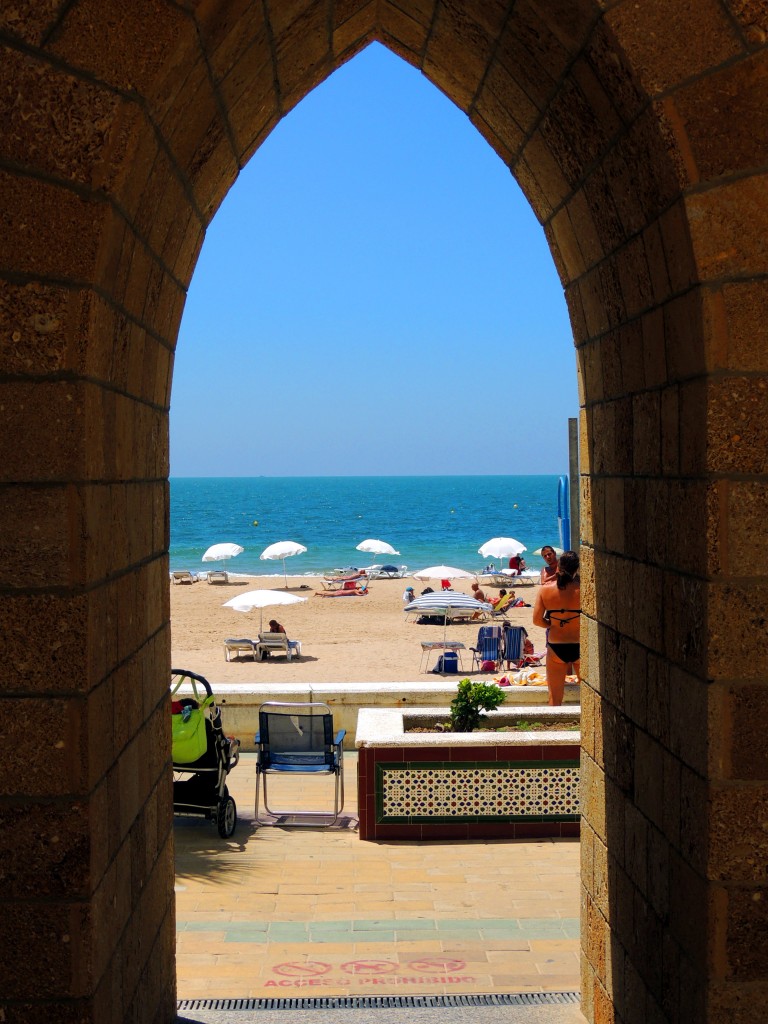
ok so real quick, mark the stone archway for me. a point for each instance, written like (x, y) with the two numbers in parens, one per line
(638, 134)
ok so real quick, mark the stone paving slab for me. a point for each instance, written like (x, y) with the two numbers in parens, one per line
(278, 912)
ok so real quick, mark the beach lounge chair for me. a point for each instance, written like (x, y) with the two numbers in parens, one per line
(386, 572)
(276, 644)
(218, 576)
(488, 647)
(237, 647)
(501, 607)
(298, 739)
(183, 576)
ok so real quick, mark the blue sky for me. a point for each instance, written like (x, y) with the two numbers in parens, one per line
(374, 297)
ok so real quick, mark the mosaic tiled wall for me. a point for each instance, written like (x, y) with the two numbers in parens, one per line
(491, 791)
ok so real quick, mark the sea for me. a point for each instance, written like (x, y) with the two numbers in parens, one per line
(429, 520)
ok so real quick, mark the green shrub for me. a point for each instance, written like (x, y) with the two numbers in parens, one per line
(471, 700)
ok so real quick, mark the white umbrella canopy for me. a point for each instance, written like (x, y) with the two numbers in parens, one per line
(260, 599)
(501, 547)
(444, 603)
(281, 550)
(558, 551)
(442, 572)
(217, 552)
(376, 547)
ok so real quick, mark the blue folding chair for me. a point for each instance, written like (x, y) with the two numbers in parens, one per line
(514, 643)
(488, 646)
(298, 739)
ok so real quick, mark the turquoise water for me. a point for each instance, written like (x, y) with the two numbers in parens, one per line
(429, 520)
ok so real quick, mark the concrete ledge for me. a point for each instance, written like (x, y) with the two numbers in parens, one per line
(377, 728)
(240, 702)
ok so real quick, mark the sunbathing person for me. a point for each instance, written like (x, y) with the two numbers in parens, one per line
(360, 591)
(558, 609)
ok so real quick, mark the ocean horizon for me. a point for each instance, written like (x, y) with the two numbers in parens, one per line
(429, 519)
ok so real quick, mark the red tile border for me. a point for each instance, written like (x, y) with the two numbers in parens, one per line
(565, 752)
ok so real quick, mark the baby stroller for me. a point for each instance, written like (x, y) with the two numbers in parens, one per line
(202, 755)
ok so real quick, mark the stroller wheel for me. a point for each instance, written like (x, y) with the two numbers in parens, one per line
(226, 819)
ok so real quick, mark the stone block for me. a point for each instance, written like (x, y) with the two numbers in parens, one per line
(670, 412)
(571, 130)
(126, 48)
(636, 847)
(35, 542)
(42, 449)
(690, 898)
(30, 20)
(685, 633)
(227, 31)
(43, 762)
(693, 819)
(658, 872)
(689, 716)
(60, 663)
(746, 923)
(737, 426)
(736, 811)
(602, 190)
(671, 771)
(737, 1003)
(354, 27)
(729, 229)
(745, 710)
(745, 310)
(667, 45)
(74, 149)
(737, 614)
(678, 251)
(411, 32)
(585, 229)
(615, 72)
(648, 778)
(731, 142)
(56, 841)
(303, 54)
(547, 174)
(693, 427)
(39, 327)
(505, 108)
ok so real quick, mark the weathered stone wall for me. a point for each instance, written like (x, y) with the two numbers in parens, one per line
(638, 132)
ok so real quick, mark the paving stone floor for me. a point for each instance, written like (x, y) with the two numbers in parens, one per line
(280, 912)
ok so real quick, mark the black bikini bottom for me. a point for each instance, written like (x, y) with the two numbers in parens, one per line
(566, 652)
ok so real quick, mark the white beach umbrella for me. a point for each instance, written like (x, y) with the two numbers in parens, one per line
(220, 552)
(281, 550)
(558, 551)
(260, 599)
(442, 572)
(501, 547)
(446, 602)
(376, 547)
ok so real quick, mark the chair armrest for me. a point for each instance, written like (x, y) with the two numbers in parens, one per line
(257, 738)
(340, 736)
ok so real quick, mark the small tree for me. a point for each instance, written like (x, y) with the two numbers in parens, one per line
(471, 700)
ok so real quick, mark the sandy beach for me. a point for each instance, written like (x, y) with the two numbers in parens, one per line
(347, 639)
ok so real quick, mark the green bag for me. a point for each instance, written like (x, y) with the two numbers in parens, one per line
(188, 737)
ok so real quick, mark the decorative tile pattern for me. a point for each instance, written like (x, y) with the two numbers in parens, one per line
(509, 791)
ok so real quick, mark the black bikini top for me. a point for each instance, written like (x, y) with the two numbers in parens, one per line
(551, 615)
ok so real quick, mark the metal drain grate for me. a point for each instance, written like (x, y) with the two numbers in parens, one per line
(381, 1002)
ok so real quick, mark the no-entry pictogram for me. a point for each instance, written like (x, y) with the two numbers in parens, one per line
(437, 963)
(369, 967)
(310, 969)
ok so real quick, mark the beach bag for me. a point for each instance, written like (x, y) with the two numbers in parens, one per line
(488, 666)
(188, 737)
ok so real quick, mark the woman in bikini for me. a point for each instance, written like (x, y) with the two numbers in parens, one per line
(558, 610)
